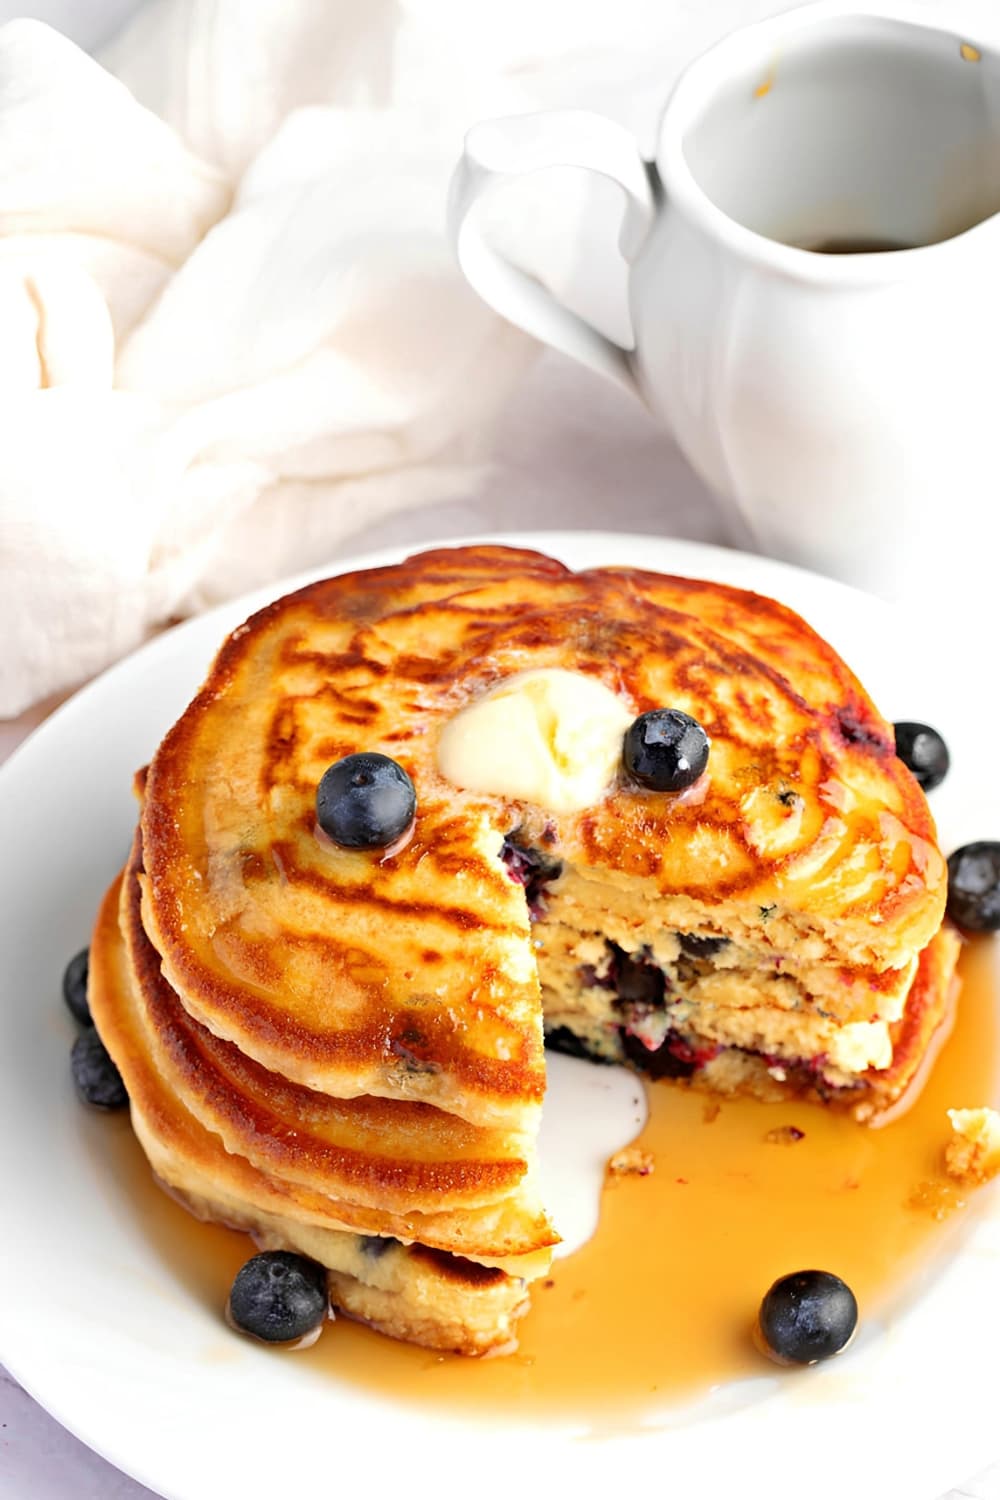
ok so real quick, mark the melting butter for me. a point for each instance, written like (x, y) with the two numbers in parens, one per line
(548, 736)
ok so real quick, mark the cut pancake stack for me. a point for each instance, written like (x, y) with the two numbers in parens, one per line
(343, 1181)
(341, 1051)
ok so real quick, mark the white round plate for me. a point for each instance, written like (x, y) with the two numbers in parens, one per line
(97, 1327)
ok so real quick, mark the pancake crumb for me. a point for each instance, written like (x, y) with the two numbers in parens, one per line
(631, 1161)
(784, 1135)
(939, 1199)
(972, 1155)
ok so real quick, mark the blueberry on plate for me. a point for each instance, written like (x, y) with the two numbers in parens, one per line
(974, 887)
(98, 1081)
(365, 801)
(665, 750)
(922, 751)
(75, 987)
(806, 1317)
(279, 1297)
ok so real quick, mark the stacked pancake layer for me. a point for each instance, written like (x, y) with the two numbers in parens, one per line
(342, 1051)
(333, 1179)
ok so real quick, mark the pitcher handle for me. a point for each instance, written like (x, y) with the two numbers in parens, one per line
(498, 150)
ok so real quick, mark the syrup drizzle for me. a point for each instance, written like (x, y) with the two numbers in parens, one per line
(659, 1306)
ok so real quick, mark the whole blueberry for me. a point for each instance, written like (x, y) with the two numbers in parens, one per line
(974, 887)
(365, 801)
(808, 1316)
(665, 750)
(924, 752)
(98, 1081)
(75, 987)
(278, 1296)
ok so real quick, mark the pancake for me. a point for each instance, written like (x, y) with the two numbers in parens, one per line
(342, 1050)
(770, 1053)
(409, 1291)
(379, 1166)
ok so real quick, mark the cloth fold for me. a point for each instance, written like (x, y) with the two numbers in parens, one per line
(234, 336)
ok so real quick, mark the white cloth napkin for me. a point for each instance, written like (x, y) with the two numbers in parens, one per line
(216, 362)
(232, 332)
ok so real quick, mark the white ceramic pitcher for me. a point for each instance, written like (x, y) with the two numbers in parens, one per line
(849, 403)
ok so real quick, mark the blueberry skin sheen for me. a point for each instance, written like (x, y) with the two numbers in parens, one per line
(974, 887)
(98, 1081)
(808, 1316)
(922, 751)
(75, 987)
(665, 750)
(365, 801)
(278, 1296)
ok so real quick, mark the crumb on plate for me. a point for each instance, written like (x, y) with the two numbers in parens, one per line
(973, 1153)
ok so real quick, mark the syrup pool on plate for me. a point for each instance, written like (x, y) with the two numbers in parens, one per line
(658, 1306)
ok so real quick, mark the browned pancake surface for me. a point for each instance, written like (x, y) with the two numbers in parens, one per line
(411, 975)
(372, 1166)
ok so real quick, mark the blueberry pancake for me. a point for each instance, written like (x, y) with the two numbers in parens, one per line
(659, 815)
(413, 1291)
(381, 1166)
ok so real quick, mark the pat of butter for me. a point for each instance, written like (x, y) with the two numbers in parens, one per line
(548, 736)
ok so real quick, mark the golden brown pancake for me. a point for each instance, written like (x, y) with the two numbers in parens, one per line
(342, 1049)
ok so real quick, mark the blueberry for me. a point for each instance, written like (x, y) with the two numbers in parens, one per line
(808, 1316)
(665, 750)
(924, 752)
(974, 887)
(700, 945)
(98, 1081)
(532, 869)
(75, 987)
(636, 978)
(376, 1245)
(278, 1296)
(561, 1039)
(365, 801)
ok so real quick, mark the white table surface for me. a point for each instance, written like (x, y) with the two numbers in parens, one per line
(574, 453)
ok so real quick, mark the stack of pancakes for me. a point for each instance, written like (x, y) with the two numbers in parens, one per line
(342, 1051)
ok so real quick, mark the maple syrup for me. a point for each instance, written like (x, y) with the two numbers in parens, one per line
(860, 246)
(659, 1305)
